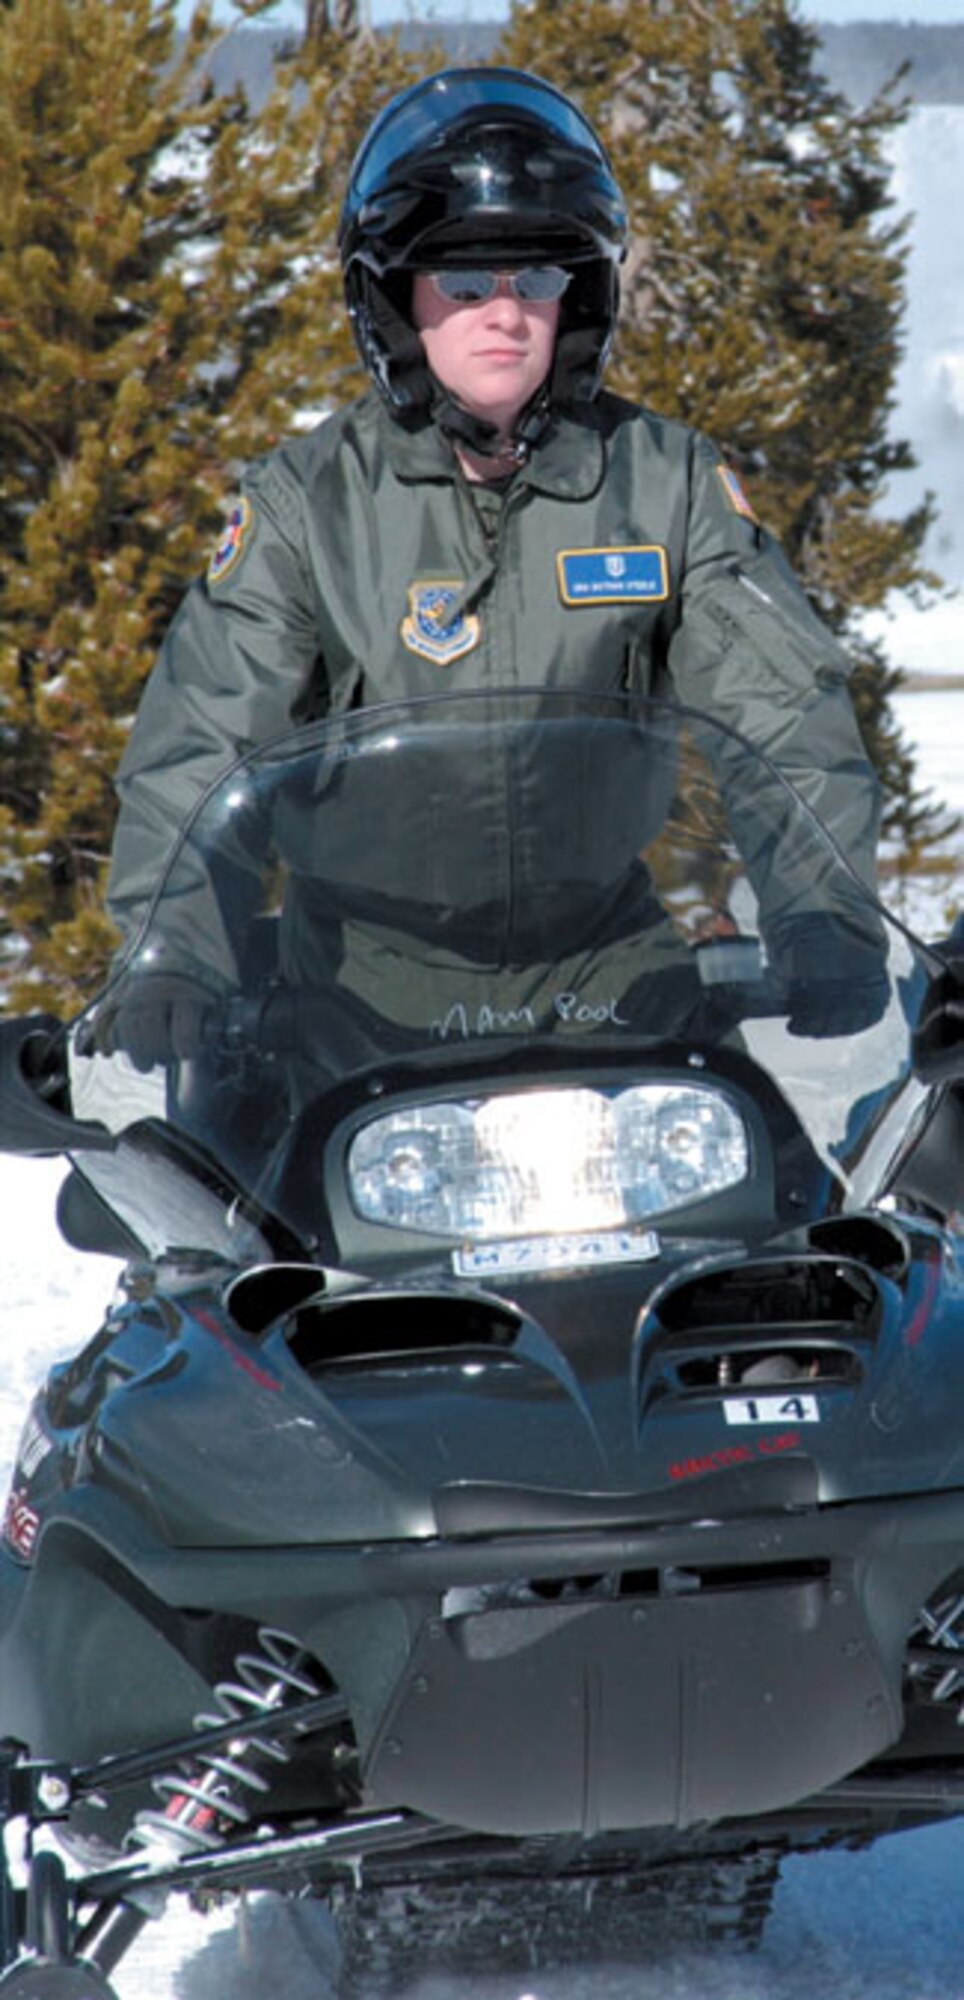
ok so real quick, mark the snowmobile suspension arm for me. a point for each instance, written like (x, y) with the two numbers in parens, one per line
(133, 1767)
(322, 1852)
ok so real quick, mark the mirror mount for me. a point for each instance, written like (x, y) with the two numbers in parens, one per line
(35, 1111)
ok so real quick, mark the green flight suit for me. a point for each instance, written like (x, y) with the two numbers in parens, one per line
(360, 566)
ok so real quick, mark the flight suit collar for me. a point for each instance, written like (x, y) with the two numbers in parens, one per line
(568, 463)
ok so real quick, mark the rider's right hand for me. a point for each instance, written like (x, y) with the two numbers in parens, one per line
(835, 972)
(155, 1018)
(825, 1007)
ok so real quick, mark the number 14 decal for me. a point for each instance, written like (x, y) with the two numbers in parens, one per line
(771, 1410)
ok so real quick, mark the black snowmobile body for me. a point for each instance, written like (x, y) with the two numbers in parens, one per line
(526, 1443)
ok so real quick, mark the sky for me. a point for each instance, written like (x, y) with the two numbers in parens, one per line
(837, 11)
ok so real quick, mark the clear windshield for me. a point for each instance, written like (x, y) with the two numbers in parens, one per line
(456, 885)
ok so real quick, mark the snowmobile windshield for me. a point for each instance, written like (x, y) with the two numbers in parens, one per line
(614, 923)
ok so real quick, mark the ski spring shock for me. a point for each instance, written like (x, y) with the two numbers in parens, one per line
(203, 1803)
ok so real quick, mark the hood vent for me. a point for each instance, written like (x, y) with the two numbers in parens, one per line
(786, 1324)
(375, 1330)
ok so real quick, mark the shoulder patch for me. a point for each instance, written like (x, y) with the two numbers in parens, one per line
(235, 537)
(736, 493)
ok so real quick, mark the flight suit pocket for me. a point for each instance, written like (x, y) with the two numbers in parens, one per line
(752, 624)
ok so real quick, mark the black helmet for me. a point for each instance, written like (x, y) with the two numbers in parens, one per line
(480, 166)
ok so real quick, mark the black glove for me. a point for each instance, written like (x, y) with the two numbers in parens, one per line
(834, 970)
(825, 1007)
(155, 1018)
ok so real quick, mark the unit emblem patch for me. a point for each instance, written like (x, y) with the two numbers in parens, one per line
(632, 575)
(237, 532)
(434, 625)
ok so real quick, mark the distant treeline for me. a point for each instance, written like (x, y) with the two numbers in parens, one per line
(859, 58)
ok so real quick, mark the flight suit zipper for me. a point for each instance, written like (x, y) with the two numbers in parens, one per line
(491, 537)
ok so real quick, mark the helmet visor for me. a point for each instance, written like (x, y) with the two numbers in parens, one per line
(411, 123)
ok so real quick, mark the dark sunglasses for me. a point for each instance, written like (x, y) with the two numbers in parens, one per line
(536, 284)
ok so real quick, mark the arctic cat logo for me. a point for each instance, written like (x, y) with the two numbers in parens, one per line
(733, 1454)
(21, 1525)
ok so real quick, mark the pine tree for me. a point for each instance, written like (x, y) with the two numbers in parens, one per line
(763, 292)
(169, 304)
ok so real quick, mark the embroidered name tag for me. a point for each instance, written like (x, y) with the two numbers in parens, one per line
(613, 576)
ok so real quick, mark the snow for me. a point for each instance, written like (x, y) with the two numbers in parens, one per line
(928, 175)
(930, 721)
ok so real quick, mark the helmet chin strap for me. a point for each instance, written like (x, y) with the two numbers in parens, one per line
(484, 439)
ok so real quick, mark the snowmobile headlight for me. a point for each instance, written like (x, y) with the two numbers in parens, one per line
(547, 1161)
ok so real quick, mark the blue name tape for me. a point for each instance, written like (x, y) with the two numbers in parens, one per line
(613, 575)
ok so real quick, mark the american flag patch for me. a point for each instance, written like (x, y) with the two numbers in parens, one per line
(736, 493)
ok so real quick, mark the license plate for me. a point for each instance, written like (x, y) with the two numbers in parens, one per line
(556, 1253)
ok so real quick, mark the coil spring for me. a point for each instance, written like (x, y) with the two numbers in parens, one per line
(202, 1804)
(941, 1625)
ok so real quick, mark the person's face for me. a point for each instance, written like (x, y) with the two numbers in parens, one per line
(493, 354)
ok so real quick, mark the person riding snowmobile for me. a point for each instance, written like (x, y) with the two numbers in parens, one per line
(487, 514)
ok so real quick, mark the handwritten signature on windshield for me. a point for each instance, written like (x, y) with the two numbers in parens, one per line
(464, 1023)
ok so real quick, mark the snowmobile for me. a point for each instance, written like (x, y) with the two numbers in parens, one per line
(517, 1491)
